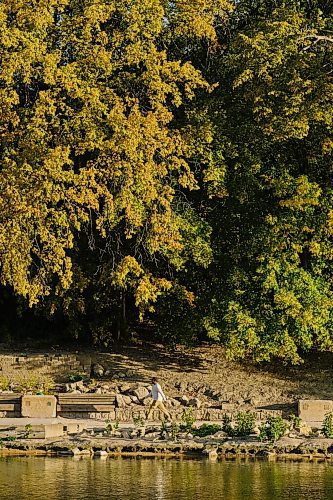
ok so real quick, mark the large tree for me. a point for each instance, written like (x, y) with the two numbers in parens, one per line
(91, 156)
(171, 153)
(271, 165)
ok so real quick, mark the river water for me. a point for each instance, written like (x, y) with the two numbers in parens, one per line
(162, 479)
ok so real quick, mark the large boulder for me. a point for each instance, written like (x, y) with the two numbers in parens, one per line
(141, 393)
(120, 401)
(183, 400)
(124, 388)
(98, 370)
(195, 402)
(127, 399)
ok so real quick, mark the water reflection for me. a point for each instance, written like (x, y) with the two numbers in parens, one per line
(162, 479)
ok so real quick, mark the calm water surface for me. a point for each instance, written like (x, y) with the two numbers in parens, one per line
(162, 479)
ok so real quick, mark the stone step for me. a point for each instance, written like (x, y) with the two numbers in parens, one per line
(85, 407)
(9, 407)
(70, 398)
(10, 398)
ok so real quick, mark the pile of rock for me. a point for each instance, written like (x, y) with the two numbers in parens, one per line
(132, 395)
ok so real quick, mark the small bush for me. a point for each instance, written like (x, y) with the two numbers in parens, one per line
(188, 419)
(174, 431)
(294, 421)
(206, 430)
(226, 425)
(108, 427)
(4, 383)
(273, 429)
(35, 384)
(328, 425)
(245, 422)
(27, 433)
(76, 377)
(138, 421)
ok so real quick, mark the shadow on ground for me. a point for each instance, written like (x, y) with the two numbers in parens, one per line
(153, 358)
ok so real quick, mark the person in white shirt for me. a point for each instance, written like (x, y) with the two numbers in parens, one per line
(158, 400)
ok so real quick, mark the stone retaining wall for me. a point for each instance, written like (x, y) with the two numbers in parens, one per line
(57, 366)
(127, 414)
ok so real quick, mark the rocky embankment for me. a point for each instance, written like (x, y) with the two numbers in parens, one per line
(133, 396)
(306, 448)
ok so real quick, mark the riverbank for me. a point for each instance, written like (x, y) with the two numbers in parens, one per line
(202, 375)
(309, 448)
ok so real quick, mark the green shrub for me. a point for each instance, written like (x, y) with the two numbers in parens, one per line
(328, 425)
(245, 422)
(76, 377)
(174, 431)
(207, 430)
(138, 421)
(35, 384)
(108, 427)
(4, 383)
(188, 419)
(28, 430)
(226, 425)
(273, 429)
(294, 421)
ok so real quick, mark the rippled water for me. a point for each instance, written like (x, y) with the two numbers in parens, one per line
(162, 479)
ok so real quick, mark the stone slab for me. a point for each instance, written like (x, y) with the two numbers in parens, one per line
(39, 406)
(53, 430)
(314, 411)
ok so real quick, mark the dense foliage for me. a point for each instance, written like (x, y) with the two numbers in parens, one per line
(169, 163)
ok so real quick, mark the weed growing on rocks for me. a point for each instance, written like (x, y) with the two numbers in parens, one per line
(27, 431)
(138, 421)
(245, 422)
(328, 425)
(294, 421)
(4, 383)
(35, 384)
(226, 425)
(174, 431)
(76, 377)
(109, 427)
(188, 419)
(206, 430)
(273, 429)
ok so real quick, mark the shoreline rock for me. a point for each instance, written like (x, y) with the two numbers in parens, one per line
(286, 448)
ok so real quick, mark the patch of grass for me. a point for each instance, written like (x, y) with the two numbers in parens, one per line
(35, 384)
(76, 377)
(206, 430)
(138, 421)
(4, 383)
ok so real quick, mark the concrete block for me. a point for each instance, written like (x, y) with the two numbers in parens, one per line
(39, 406)
(314, 411)
(228, 406)
(72, 428)
(53, 430)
